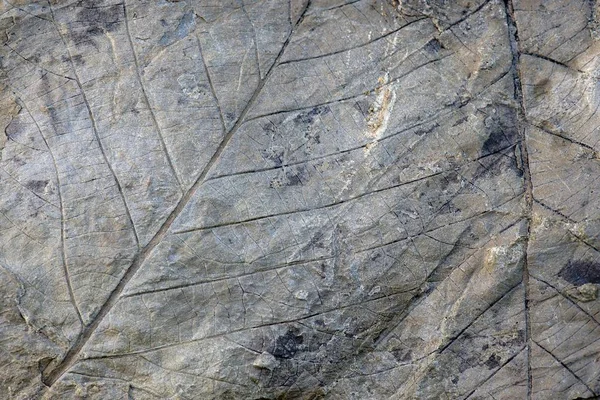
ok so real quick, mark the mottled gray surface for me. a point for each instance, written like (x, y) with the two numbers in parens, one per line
(273, 199)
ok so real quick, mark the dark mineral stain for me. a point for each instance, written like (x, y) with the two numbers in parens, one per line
(296, 177)
(96, 20)
(286, 346)
(100, 18)
(18, 161)
(323, 268)
(452, 178)
(295, 393)
(501, 129)
(424, 131)
(317, 241)
(36, 186)
(464, 364)
(309, 117)
(312, 137)
(230, 116)
(541, 87)
(269, 127)
(581, 272)
(516, 341)
(498, 153)
(362, 106)
(77, 59)
(49, 109)
(493, 362)
(289, 177)
(434, 45)
(275, 155)
(402, 355)
(460, 121)
(35, 58)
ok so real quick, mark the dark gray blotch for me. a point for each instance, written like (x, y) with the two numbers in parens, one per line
(581, 272)
(286, 346)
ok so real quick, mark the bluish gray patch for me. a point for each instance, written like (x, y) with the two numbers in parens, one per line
(186, 25)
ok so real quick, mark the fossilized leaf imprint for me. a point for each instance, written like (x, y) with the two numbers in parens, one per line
(251, 199)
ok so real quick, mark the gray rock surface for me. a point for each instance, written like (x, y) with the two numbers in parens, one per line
(299, 199)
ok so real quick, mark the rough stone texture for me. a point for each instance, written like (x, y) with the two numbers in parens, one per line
(269, 199)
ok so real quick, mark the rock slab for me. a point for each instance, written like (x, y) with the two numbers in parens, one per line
(299, 199)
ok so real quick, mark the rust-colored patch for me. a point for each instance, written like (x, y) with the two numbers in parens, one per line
(379, 109)
(9, 109)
